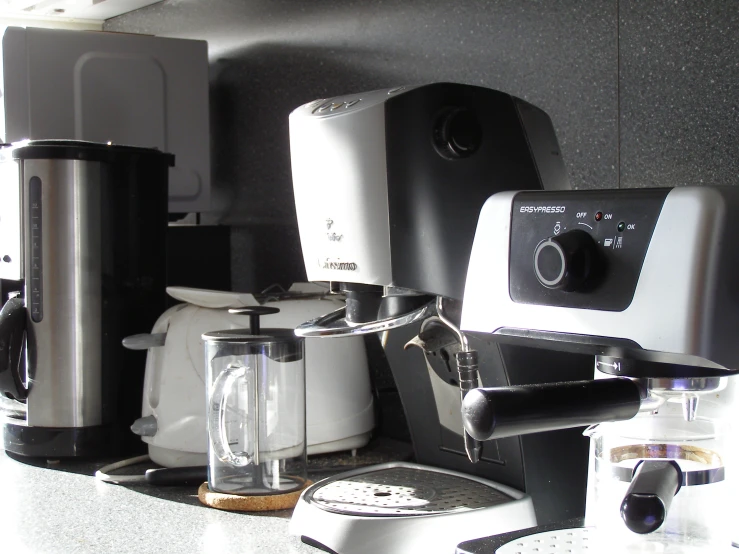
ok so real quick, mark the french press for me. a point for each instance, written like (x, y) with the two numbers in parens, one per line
(256, 408)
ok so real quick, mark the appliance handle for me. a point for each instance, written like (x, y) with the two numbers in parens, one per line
(647, 502)
(144, 341)
(494, 413)
(218, 410)
(12, 331)
(168, 476)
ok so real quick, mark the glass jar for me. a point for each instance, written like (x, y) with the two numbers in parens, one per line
(256, 411)
(696, 520)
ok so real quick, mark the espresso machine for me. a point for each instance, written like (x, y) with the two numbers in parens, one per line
(82, 242)
(644, 282)
(388, 186)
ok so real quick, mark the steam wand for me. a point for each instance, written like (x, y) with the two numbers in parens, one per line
(467, 366)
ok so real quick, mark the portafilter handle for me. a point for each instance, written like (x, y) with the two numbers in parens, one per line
(653, 486)
(495, 413)
(254, 313)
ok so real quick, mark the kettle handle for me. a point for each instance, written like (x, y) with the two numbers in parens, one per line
(12, 332)
(218, 410)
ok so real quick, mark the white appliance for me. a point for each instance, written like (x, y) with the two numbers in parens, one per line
(339, 402)
(128, 89)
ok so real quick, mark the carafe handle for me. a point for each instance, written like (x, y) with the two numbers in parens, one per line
(222, 389)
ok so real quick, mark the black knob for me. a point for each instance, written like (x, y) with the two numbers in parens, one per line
(254, 312)
(457, 133)
(565, 262)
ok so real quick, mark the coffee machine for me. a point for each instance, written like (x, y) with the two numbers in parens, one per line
(82, 238)
(644, 282)
(388, 186)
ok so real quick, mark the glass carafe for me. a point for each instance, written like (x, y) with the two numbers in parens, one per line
(696, 519)
(256, 411)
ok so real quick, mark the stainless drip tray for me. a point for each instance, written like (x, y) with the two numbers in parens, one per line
(578, 540)
(398, 507)
(399, 490)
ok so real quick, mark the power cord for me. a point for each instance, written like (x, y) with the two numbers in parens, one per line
(103, 474)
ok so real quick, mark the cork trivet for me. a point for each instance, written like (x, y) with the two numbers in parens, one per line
(234, 502)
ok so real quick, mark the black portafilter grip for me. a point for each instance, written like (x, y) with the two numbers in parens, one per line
(647, 502)
(495, 413)
(254, 313)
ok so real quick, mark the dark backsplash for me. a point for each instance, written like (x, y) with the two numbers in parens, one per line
(641, 94)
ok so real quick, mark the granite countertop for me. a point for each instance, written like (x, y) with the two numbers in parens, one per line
(61, 508)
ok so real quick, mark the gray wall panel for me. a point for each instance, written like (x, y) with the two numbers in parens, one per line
(268, 57)
(679, 93)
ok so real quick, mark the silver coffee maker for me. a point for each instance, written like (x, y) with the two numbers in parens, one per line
(644, 282)
(82, 240)
(388, 185)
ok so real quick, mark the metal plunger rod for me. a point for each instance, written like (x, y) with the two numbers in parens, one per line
(254, 324)
(254, 313)
(495, 413)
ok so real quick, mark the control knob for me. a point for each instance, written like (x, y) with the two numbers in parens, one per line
(566, 262)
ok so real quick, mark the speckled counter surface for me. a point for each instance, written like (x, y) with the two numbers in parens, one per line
(63, 509)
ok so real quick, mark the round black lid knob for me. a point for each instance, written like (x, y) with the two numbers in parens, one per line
(254, 312)
(566, 261)
(458, 133)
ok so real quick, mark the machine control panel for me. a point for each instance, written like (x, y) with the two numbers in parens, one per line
(581, 249)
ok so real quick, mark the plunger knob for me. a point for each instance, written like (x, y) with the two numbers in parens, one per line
(254, 312)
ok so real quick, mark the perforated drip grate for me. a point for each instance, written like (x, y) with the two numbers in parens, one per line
(405, 491)
(579, 540)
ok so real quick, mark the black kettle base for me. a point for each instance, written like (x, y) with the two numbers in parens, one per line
(69, 442)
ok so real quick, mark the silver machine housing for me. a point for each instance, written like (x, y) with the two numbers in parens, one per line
(67, 340)
(388, 187)
(387, 197)
(644, 282)
(83, 229)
